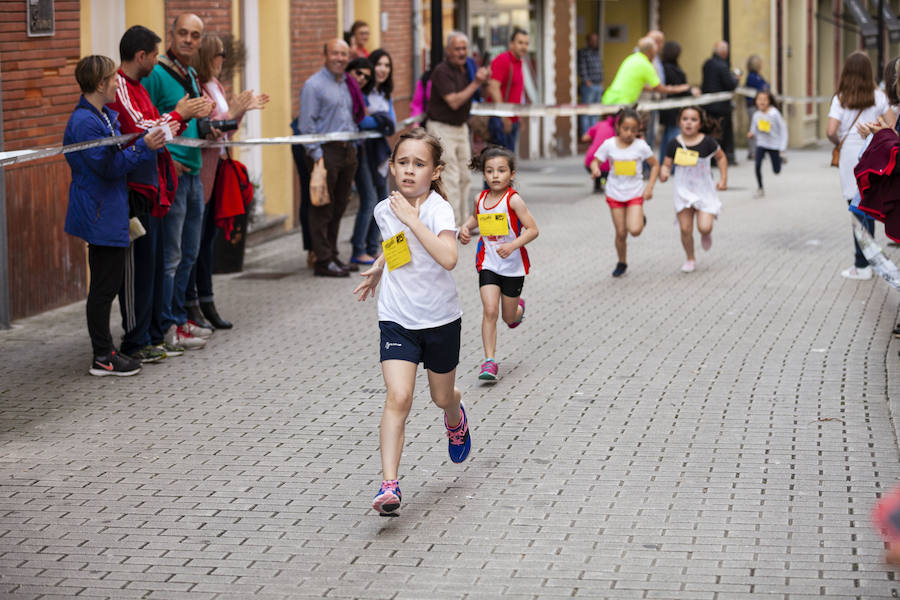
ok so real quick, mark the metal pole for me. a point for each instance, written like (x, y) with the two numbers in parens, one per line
(880, 72)
(437, 33)
(4, 246)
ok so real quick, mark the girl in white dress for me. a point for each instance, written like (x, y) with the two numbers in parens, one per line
(695, 193)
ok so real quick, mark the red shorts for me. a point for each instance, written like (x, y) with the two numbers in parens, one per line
(616, 204)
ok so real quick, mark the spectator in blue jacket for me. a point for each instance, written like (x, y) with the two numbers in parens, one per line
(98, 202)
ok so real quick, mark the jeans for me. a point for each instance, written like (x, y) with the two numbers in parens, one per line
(200, 285)
(181, 230)
(760, 155)
(372, 188)
(107, 265)
(669, 133)
(142, 287)
(500, 137)
(590, 94)
(860, 261)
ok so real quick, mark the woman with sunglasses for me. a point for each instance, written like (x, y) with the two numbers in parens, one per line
(371, 175)
(218, 57)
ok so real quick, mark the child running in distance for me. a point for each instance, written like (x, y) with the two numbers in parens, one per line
(770, 132)
(695, 194)
(501, 259)
(418, 308)
(625, 189)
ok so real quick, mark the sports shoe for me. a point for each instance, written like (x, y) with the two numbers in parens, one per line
(170, 350)
(706, 241)
(387, 500)
(688, 266)
(896, 331)
(178, 336)
(149, 354)
(116, 364)
(857, 273)
(518, 322)
(196, 330)
(488, 370)
(460, 442)
(760, 193)
(619, 270)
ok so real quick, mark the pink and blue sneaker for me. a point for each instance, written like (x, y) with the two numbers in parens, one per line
(518, 322)
(387, 500)
(489, 370)
(460, 442)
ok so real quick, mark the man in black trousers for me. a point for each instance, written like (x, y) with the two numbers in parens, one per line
(717, 77)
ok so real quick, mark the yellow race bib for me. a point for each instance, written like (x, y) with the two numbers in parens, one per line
(493, 224)
(764, 126)
(625, 167)
(686, 158)
(396, 251)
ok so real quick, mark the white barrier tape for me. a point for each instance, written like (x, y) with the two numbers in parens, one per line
(494, 110)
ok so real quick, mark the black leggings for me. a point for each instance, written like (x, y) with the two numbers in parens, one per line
(776, 162)
(107, 265)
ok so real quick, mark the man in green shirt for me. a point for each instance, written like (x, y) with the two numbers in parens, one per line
(637, 73)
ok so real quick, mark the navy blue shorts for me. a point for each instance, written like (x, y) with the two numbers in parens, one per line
(437, 347)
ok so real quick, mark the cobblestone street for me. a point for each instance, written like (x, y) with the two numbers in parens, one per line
(712, 435)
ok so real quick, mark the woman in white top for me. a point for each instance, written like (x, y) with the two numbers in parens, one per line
(211, 64)
(857, 101)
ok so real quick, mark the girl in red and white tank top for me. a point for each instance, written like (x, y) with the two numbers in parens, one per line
(502, 262)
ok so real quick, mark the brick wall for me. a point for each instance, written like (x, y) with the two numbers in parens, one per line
(39, 89)
(313, 23)
(398, 41)
(46, 266)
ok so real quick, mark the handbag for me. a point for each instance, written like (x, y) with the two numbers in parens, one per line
(232, 195)
(836, 151)
(318, 185)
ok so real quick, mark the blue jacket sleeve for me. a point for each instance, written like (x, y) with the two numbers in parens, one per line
(109, 162)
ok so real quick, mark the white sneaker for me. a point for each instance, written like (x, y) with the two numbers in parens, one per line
(760, 193)
(179, 337)
(857, 273)
(196, 330)
(688, 266)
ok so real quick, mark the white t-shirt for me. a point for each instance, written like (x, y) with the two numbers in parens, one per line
(847, 115)
(853, 144)
(421, 294)
(624, 187)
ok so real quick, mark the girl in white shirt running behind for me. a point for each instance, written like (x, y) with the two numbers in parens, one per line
(625, 189)
(501, 260)
(770, 131)
(418, 307)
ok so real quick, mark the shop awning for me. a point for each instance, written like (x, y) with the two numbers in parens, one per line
(868, 26)
(891, 23)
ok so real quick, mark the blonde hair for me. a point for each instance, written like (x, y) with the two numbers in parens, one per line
(93, 70)
(210, 46)
(436, 151)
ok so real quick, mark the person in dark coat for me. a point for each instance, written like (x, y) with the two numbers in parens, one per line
(674, 76)
(717, 77)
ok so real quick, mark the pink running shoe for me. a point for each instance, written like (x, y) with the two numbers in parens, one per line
(387, 500)
(515, 324)
(706, 241)
(489, 370)
(688, 266)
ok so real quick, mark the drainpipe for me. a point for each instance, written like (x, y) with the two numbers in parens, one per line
(4, 246)
(437, 33)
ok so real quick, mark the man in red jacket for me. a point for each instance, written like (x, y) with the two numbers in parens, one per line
(150, 192)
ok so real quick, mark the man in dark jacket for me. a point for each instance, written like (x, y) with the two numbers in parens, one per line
(717, 77)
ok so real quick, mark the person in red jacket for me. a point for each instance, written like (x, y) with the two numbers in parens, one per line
(150, 191)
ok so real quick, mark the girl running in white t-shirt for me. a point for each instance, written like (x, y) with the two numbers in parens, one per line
(625, 189)
(502, 262)
(695, 193)
(418, 308)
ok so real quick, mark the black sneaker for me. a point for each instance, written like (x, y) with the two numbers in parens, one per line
(619, 270)
(897, 331)
(115, 364)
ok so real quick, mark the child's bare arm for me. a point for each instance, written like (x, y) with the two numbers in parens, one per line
(666, 169)
(722, 163)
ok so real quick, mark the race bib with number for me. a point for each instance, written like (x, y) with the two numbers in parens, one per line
(625, 167)
(493, 224)
(396, 251)
(764, 126)
(686, 158)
